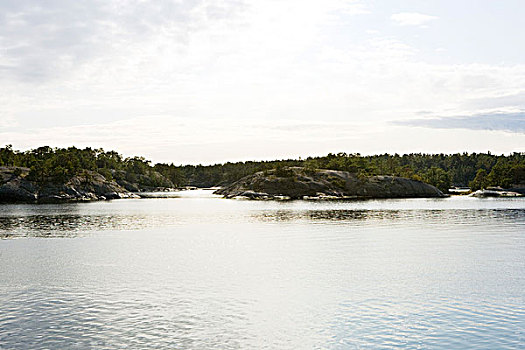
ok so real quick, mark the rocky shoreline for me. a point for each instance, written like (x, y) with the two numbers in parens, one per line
(288, 183)
(302, 183)
(15, 187)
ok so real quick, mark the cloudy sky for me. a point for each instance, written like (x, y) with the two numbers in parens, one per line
(205, 81)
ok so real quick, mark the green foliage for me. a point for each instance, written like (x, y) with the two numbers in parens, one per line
(310, 166)
(171, 172)
(477, 169)
(58, 165)
(8, 156)
(500, 174)
(106, 173)
(517, 173)
(437, 177)
(282, 171)
(480, 181)
(337, 182)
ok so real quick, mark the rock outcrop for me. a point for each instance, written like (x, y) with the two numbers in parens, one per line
(495, 193)
(16, 187)
(301, 183)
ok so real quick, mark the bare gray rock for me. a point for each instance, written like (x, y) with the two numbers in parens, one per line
(15, 187)
(298, 183)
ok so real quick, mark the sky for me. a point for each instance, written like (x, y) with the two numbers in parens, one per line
(206, 81)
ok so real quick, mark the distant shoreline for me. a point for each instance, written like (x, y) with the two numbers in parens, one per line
(48, 174)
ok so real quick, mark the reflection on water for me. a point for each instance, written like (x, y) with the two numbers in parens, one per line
(55, 225)
(207, 273)
(288, 215)
(445, 217)
(67, 225)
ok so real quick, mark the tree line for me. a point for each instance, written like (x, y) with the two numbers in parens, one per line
(477, 170)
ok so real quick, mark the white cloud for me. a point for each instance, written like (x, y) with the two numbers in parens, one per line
(6, 121)
(165, 138)
(411, 18)
(175, 139)
(260, 77)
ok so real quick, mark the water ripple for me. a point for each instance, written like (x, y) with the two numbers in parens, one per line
(218, 274)
(68, 225)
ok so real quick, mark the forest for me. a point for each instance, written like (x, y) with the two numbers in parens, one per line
(476, 170)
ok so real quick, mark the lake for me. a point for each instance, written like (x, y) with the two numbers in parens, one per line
(200, 272)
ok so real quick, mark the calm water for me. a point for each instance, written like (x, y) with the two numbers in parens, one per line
(201, 272)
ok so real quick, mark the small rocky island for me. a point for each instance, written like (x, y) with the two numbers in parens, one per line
(302, 183)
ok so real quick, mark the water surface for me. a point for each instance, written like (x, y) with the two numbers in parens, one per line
(201, 272)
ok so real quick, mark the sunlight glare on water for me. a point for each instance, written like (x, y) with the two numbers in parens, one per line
(201, 272)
